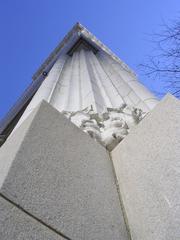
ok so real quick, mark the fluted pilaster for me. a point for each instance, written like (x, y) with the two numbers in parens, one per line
(84, 79)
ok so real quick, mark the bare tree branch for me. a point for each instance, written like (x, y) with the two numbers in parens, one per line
(165, 63)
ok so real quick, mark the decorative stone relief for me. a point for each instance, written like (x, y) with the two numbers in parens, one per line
(109, 127)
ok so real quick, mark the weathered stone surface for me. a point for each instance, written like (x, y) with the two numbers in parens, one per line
(147, 165)
(10, 149)
(60, 175)
(16, 225)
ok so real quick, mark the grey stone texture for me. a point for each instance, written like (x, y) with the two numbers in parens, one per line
(9, 150)
(63, 177)
(16, 225)
(147, 165)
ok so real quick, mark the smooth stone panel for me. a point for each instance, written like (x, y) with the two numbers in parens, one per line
(62, 176)
(147, 165)
(46, 89)
(16, 225)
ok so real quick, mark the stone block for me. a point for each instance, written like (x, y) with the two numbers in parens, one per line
(147, 166)
(16, 225)
(63, 177)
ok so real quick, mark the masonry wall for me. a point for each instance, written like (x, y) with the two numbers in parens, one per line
(147, 165)
(54, 172)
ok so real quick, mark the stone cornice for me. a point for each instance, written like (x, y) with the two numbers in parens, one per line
(68, 41)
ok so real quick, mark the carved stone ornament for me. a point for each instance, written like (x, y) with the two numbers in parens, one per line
(109, 127)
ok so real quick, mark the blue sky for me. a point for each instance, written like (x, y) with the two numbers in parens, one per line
(31, 29)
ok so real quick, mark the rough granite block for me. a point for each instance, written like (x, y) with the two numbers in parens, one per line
(62, 176)
(16, 225)
(147, 165)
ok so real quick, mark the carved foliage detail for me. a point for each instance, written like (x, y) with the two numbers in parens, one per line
(109, 127)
